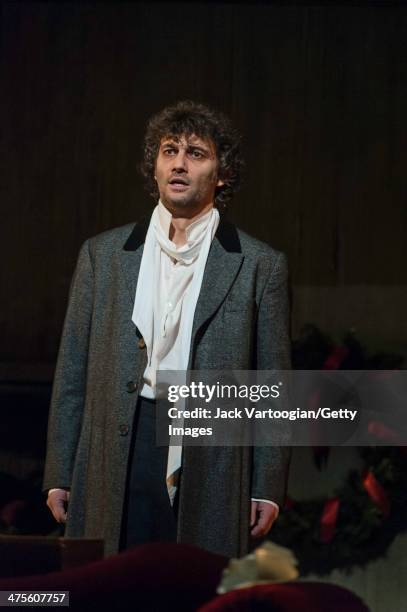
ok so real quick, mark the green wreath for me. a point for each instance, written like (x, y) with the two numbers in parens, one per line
(355, 526)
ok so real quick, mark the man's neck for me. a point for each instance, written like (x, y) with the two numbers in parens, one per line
(179, 224)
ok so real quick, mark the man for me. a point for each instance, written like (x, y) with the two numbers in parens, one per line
(182, 290)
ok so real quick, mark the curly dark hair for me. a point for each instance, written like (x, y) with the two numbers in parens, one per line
(187, 118)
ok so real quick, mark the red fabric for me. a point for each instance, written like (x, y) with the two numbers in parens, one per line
(328, 519)
(376, 492)
(159, 576)
(288, 597)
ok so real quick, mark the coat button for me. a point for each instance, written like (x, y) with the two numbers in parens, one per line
(124, 430)
(131, 386)
(141, 343)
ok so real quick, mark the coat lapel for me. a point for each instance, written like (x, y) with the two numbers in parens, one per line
(222, 266)
(131, 253)
(130, 263)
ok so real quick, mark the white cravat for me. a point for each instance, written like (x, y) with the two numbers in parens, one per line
(168, 288)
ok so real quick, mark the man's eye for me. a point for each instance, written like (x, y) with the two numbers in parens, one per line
(169, 151)
(196, 154)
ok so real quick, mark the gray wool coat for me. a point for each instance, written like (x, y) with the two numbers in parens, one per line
(240, 322)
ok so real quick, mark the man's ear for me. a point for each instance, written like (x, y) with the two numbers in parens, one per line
(220, 183)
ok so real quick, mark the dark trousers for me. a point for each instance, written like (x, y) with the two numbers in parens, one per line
(148, 515)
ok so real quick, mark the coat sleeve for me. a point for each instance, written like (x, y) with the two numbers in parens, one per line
(273, 352)
(68, 394)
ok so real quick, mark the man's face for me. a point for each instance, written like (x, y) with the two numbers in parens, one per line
(186, 172)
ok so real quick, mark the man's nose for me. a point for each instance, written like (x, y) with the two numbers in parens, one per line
(180, 161)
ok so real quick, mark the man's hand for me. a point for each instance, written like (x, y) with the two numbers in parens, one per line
(262, 517)
(57, 502)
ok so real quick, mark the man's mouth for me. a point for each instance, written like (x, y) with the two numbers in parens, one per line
(178, 184)
(178, 181)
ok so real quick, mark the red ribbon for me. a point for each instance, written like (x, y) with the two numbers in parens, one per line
(381, 431)
(335, 358)
(329, 519)
(376, 492)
